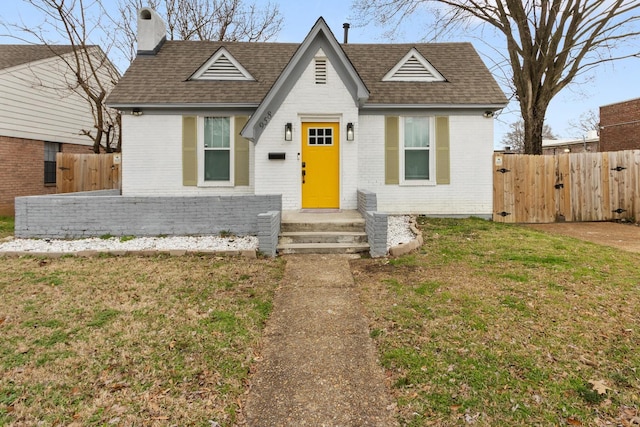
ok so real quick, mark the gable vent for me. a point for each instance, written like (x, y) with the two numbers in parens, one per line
(321, 71)
(222, 66)
(414, 68)
(223, 69)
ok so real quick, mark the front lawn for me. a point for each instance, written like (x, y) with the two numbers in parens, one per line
(130, 341)
(498, 325)
(6, 226)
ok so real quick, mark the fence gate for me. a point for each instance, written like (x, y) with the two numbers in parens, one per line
(566, 187)
(87, 172)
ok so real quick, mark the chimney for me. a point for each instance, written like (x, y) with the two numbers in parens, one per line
(346, 27)
(152, 32)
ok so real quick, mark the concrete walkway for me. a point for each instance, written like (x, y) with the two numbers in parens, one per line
(319, 365)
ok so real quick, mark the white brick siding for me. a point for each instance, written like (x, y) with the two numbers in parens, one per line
(471, 188)
(307, 99)
(152, 159)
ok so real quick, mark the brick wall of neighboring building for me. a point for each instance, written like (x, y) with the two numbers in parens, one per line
(22, 171)
(620, 126)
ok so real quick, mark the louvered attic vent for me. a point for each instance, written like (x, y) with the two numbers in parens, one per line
(222, 66)
(413, 68)
(321, 71)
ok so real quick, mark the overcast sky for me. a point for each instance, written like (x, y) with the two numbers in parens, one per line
(610, 83)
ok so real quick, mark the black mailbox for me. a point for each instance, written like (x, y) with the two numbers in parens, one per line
(276, 156)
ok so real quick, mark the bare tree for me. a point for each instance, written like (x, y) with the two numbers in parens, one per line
(514, 139)
(228, 20)
(93, 74)
(549, 42)
(587, 122)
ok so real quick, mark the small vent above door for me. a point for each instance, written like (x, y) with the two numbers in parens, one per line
(222, 66)
(413, 68)
(321, 71)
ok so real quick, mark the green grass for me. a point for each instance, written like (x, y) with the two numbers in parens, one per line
(102, 316)
(6, 226)
(501, 325)
(147, 341)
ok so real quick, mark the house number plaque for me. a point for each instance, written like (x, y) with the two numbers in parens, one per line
(266, 119)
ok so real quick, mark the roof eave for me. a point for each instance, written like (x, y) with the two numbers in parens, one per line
(183, 106)
(478, 106)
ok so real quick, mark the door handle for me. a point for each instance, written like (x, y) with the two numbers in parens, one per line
(304, 164)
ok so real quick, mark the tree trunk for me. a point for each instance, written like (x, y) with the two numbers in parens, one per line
(533, 114)
(533, 134)
(97, 140)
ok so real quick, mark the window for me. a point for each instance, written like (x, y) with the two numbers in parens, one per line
(217, 149)
(50, 151)
(320, 136)
(417, 159)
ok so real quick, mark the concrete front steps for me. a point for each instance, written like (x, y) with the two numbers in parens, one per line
(317, 232)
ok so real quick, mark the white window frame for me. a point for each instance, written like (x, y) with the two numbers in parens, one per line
(201, 151)
(431, 149)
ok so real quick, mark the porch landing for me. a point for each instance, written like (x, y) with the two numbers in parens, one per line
(318, 231)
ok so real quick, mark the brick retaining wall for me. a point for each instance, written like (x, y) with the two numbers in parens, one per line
(97, 213)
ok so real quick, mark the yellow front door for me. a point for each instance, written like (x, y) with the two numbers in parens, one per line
(320, 165)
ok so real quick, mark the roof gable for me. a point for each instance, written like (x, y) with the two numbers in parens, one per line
(413, 68)
(319, 38)
(222, 66)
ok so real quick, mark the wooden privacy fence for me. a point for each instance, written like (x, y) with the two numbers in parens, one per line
(566, 187)
(87, 172)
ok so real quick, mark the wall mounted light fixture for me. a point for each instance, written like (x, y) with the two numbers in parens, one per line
(349, 131)
(487, 114)
(136, 112)
(288, 132)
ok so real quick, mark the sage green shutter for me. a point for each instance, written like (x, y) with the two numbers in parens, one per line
(241, 153)
(189, 151)
(391, 150)
(443, 168)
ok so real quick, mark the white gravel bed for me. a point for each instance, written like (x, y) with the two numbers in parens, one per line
(194, 243)
(398, 232)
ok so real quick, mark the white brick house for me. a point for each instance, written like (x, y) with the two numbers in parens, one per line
(313, 122)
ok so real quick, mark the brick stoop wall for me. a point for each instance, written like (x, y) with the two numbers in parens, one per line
(22, 171)
(376, 223)
(620, 126)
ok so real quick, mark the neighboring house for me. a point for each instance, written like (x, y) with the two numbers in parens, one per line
(40, 115)
(620, 126)
(588, 144)
(313, 122)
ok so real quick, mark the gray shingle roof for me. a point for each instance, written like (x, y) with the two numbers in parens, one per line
(18, 54)
(163, 78)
